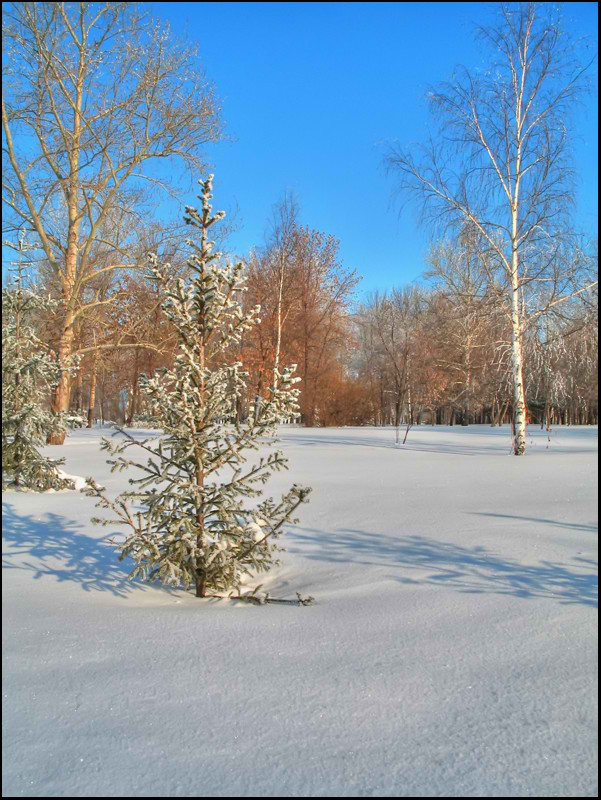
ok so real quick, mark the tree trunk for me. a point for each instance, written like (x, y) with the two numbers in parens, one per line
(397, 411)
(200, 583)
(519, 405)
(135, 390)
(93, 393)
(62, 393)
(78, 399)
(61, 398)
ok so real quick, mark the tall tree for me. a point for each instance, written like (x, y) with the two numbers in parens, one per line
(280, 252)
(319, 328)
(95, 96)
(270, 271)
(392, 320)
(501, 165)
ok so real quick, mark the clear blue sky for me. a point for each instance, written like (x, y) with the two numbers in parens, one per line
(312, 92)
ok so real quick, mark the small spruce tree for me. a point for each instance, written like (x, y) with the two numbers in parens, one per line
(187, 516)
(29, 373)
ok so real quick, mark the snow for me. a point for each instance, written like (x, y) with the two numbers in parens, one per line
(78, 481)
(451, 650)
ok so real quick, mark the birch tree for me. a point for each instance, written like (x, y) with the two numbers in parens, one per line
(281, 250)
(271, 275)
(96, 95)
(501, 164)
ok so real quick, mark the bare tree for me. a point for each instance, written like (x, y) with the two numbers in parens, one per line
(270, 273)
(95, 96)
(319, 327)
(460, 278)
(501, 165)
(281, 242)
(392, 317)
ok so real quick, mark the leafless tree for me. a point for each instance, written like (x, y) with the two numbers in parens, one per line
(319, 324)
(502, 165)
(280, 251)
(461, 281)
(96, 95)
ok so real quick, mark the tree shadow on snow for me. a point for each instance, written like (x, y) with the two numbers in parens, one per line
(418, 447)
(473, 570)
(575, 526)
(57, 547)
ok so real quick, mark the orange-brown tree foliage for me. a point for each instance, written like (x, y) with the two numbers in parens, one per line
(305, 318)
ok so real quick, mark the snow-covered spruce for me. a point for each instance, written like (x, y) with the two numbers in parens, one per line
(195, 526)
(29, 372)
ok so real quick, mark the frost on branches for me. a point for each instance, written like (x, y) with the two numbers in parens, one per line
(29, 372)
(188, 514)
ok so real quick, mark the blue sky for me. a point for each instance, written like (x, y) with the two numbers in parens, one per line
(313, 92)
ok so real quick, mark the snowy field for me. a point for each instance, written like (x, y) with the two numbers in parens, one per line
(451, 651)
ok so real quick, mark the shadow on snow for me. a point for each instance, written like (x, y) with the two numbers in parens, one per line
(473, 570)
(575, 526)
(58, 547)
(503, 447)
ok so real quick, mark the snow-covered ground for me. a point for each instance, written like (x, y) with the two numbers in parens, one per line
(451, 650)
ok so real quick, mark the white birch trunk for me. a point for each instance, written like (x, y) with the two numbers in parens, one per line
(517, 368)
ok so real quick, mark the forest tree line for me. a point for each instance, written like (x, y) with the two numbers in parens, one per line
(431, 352)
